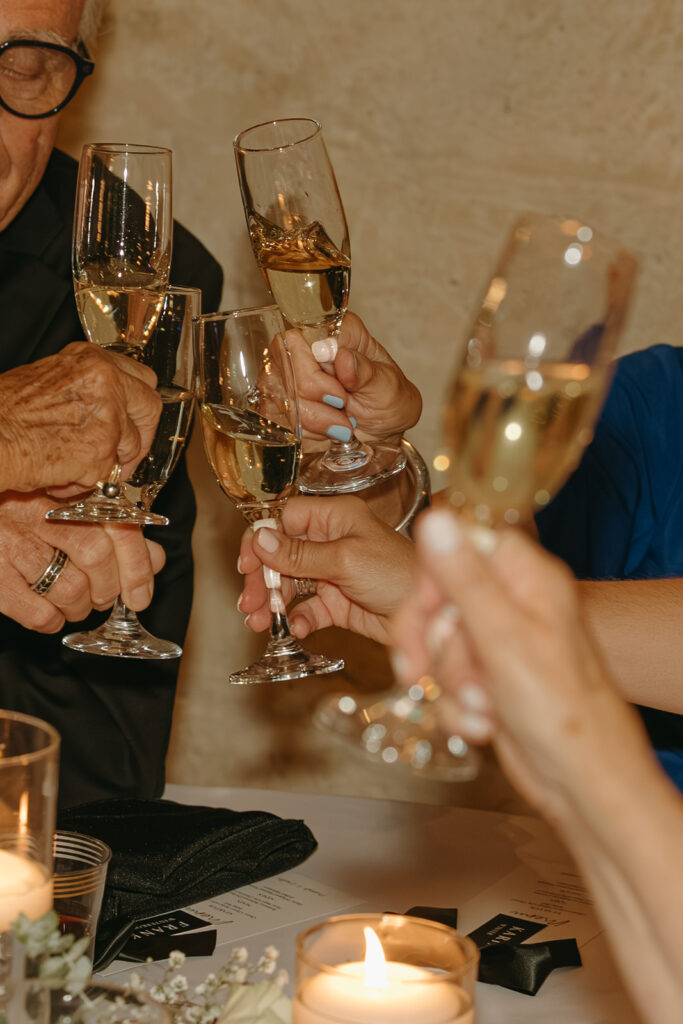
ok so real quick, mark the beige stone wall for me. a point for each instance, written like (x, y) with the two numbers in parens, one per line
(444, 118)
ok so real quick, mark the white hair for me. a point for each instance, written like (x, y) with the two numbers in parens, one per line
(91, 19)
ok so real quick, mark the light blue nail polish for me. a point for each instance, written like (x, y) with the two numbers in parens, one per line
(353, 421)
(337, 403)
(338, 433)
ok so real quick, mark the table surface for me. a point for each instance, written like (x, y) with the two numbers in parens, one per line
(394, 855)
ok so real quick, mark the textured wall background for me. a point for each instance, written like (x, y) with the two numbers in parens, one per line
(444, 118)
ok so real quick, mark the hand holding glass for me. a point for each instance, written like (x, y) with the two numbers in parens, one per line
(528, 387)
(300, 240)
(121, 261)
(252, 438)
(170, 353)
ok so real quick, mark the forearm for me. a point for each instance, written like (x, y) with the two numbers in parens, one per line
(637, 623)
(626, 833)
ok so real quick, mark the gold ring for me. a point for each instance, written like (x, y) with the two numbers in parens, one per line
(305, 587)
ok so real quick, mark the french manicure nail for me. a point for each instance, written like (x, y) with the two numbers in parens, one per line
(325, 351)
(268, 539)
(336, 403)
(239, 602)
(441, 532)
(475, 727)
(239, 566)
(474, 698)
(338, 433)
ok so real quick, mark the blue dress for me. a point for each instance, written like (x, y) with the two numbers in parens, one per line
(620, 515)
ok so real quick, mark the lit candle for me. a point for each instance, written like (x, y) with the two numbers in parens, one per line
(25, 888)
(377, 992)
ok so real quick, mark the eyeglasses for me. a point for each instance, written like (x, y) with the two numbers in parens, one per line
(37, 79)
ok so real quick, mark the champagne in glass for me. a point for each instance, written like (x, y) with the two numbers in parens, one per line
(170, 353)
(252, 438)
(299, 237)
(121, 257)
(525, 395)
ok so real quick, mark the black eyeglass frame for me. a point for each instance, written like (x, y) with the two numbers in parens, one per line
(84, 67)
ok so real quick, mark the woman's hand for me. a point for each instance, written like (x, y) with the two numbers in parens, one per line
(362, 566)
(516, 660)
(369, 394)
(103, 562)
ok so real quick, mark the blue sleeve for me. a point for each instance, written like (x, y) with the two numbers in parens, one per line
(620, 515)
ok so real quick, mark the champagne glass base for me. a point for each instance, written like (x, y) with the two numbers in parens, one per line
(98, 509)
(337, 472)
(286, 660)
(116, 642)
(392, 728)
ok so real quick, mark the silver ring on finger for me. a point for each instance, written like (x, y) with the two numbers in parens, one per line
(305, 587)
(54, 570)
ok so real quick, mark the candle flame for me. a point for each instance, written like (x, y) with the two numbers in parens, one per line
(23, 813)
(375, 961)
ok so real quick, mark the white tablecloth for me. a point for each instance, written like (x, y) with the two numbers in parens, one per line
(391, 856)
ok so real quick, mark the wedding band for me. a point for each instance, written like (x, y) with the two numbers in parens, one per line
(305, 588)
(52, 573)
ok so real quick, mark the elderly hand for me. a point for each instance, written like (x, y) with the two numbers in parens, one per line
(368, 386)
(362, 566)
(103, 562)
(68, 418)
(516, 659)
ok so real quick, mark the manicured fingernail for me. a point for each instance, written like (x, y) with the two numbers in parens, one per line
(338, 433)
(246, 620)
(442, 628)
(475, 727)
(239, 566)
(441, 532)
(268, 539)
(337, 403)
(325, 351)
(141, 596)
(473, 698)
(399, 664)
(353, 421)
(239, 602)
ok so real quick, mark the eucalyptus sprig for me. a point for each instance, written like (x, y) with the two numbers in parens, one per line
(62, 961)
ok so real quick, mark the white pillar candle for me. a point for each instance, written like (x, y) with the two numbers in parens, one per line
(25, 888)
(410, 996)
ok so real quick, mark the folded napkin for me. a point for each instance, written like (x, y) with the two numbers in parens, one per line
(167, 855)
(505, 958)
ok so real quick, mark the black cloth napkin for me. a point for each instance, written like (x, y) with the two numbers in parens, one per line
(167, 855)
(505, 959)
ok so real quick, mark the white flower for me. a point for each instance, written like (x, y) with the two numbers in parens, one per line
(176, 959)
(135, 982)
(178, 984)
(240, 975)
(158, 993)
(271, 952)
(240, 954)
(260, 1003)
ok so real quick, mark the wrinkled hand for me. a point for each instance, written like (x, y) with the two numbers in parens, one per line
(362, 566)
(68, 418)
(516, 659)
(370, 385)
(103, 562)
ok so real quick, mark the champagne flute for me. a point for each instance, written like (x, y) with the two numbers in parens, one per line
(170, 352)
(252, 438)
(121, 257)
(524, 399)
(300, 240)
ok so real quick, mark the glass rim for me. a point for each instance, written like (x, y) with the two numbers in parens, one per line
(280, 120)
(77, 842)
(568, 225)
(235, 314)
(470, 948)
(132, 148)
(52, 746)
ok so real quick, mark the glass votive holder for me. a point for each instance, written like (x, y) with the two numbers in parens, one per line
(80, 873)
(383, 969)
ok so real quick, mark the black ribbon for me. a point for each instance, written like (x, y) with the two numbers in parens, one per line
(506, 959)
